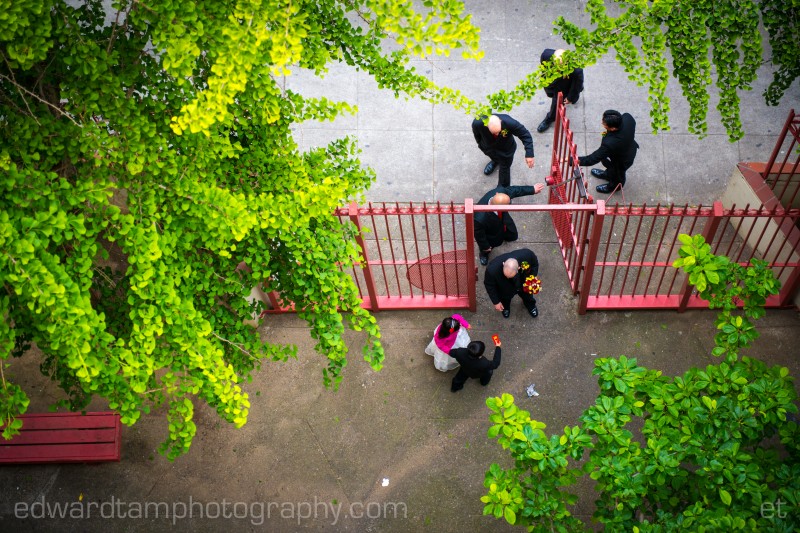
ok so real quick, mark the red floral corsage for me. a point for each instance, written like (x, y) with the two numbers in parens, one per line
(532, 285)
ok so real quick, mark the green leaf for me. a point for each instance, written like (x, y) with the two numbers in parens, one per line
(509, 515)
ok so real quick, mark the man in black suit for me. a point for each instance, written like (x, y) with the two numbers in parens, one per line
(473, 364)
(494, 228)
(617, 150)
(505, 277)
(570, 86)
(496, 140)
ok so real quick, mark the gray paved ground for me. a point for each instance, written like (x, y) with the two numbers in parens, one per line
(309, 452)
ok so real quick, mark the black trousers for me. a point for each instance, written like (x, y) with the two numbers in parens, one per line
(527, 299)
(504, 173)
(461, 377)
(510, 234)
(615, 172)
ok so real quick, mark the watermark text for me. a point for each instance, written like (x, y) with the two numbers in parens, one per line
(256, 512)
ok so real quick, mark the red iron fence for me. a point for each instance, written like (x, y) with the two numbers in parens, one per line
(631, 250)
(422, 256)
(415, 256)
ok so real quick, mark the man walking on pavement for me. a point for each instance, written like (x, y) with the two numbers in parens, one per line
(570, 86)
(493, 228)
(617, 151)
(496, 140)
(506, 276)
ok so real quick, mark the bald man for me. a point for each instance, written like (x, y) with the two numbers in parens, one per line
(496, 140)
(505, 276)
(493, 228)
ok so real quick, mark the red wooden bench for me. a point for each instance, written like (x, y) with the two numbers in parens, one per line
(64, 438)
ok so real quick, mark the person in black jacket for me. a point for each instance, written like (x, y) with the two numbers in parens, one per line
(505, 277)
(496, 140)
(473, 364)
(570, 86)
(617, 150)
(493, 228)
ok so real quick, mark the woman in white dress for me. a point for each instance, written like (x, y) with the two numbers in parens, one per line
(451, 333)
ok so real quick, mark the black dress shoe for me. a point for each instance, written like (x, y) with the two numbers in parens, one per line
(489, 168)
(506, 313)
(534, 311)
(543, 125)
(606, 188)
(484, 259)
(602, 174)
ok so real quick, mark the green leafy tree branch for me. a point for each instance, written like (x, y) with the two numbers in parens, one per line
(702, 37)
(146, 154)
(716, 446)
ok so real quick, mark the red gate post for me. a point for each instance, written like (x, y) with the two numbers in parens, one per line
(469, 216)
(368, 279)
(561, 113)
(712, 224)
(591, 255)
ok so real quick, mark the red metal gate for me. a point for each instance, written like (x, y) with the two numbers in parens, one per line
(568, 188)
(415, 257)
(421, 256)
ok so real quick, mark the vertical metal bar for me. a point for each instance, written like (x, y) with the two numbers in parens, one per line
(619, 250)
(390, 240)
(339, 215)
(772, 216)
(789, 150)
(694, 216)
(630, 256)
(792, 284)
(745, 239)
(382, 263)
(441, 249)
(469, 264)
(557, 129)
(727, 253)
(778, 145)
(785, 230)
(586, 218)
(273, 300)
(416, 238)
(652, 220)
(368, 280)
(670, 211)
(756, 247)
(591, 255)
(456, 259)
(710, 230)
(790, 202)
(607, 248)
(400, 217)
(430, 251)
(657, 246)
